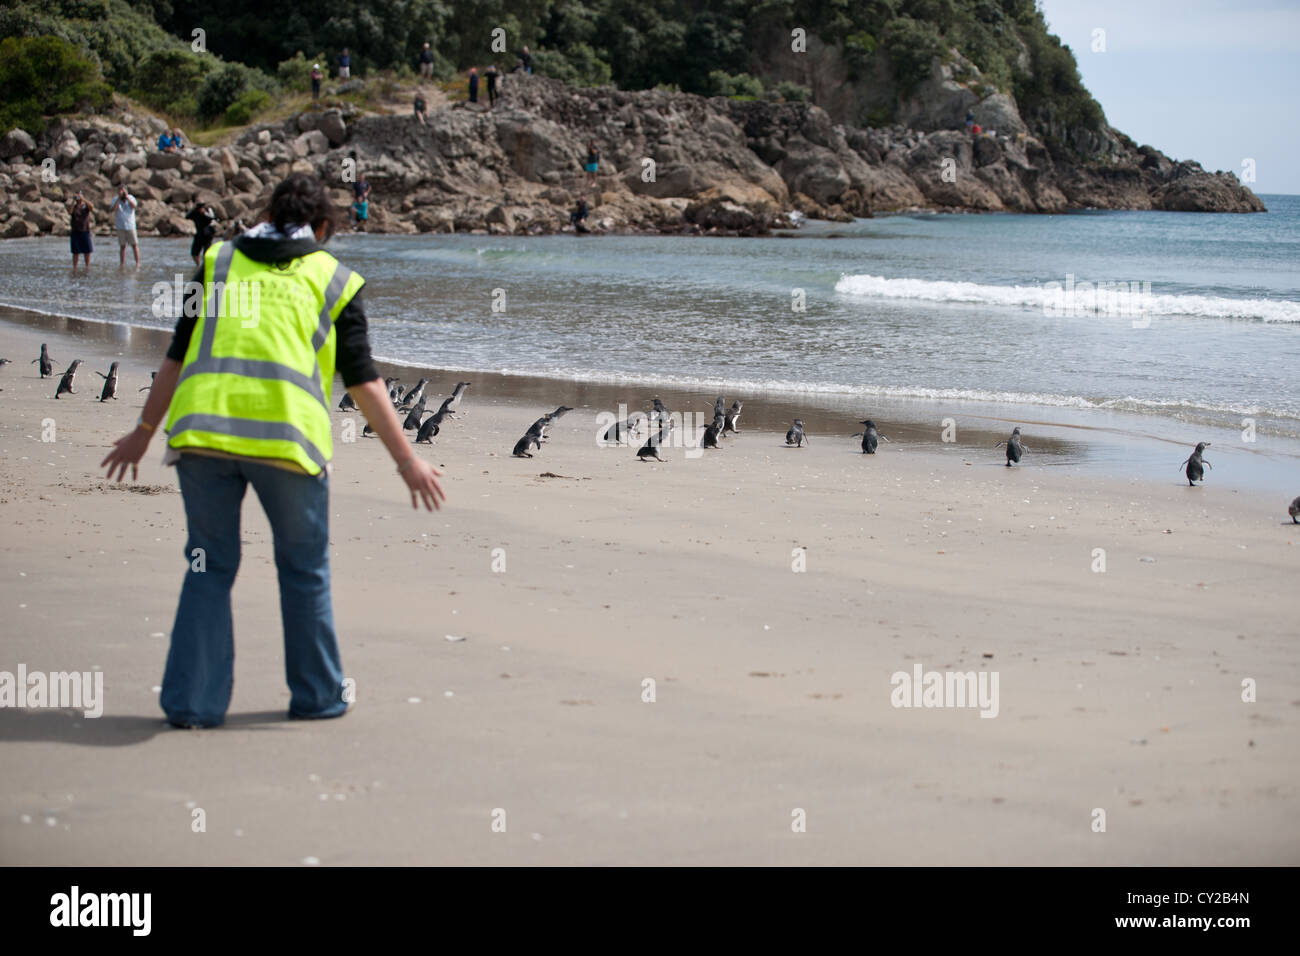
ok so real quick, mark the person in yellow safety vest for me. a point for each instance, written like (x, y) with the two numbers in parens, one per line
(246, 387)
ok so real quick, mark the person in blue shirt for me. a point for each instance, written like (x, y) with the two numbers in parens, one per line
(166, 144)
(345, 65)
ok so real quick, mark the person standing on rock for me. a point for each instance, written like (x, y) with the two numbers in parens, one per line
(426, 62)
(316, 77)
(205, 230)
(593, 162)
(526, 59)
(249, 404)
(345, 65)
(473, 84)
(79, 235)
(123, 210)
(492, 77)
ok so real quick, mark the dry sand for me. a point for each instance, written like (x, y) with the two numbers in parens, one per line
(1119, 690)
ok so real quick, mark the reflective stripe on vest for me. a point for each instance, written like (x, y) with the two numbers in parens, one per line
(252, 435)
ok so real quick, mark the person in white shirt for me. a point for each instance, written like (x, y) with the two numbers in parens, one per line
(123, 210)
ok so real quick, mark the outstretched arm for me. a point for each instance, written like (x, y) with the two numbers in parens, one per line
(130, 448)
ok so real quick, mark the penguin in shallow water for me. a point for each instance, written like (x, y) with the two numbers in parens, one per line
(1294, 511)
(1194, 462)
(65, 383)
(795, 435)
(47, 363)
(731, 417)
(870, 437)
(1015, 447)
(110, 383)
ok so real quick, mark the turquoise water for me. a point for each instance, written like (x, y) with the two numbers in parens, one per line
(944, 308)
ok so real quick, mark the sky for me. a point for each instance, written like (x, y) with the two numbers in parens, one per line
(1217, 81)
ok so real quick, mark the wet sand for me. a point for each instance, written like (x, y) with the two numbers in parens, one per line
(1119, 690)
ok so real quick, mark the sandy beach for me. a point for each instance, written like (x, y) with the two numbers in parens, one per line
(577, 576)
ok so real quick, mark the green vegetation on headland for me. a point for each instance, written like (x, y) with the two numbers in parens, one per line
(224, 62)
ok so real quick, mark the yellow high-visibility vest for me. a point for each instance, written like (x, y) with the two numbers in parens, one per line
(259, 369)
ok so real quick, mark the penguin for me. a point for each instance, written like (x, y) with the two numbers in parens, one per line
(521, 447)
(1194, 462)
(413, 419)
(560, 412)
(431, 427)
(617, 431)
(651, 447)
(870, 437)
(5, 361)
(110, 383)
(65, 383)
(731, 417)
(660, 414)
(795, 435)
(454, 399)
(394, 389)
(414, 395)
(711, 436)
(720, 408)
(347, 401)
(47, 363)
(1294, 511)
(153, 377)
(538, 428)
(1015, 447)
(719, 423)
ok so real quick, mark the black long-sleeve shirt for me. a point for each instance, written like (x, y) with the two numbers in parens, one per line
(352, 358)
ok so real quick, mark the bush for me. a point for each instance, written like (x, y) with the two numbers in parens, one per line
(792, 92)
(40, 76)
(742, 85)
(249, 104)
(225, 85)
(295, 73)
(169, 80)
(912, 46)
(580, 66)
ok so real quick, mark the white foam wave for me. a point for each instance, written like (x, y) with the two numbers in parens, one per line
(1056, 295)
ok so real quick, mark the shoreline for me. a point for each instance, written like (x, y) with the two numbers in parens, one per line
(1091, 442)
(1118, 690)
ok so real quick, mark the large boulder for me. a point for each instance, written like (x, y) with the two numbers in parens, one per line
(16, 142)
(311, 143)
(157, 160)
(19, 229)
(332, 125)
(1207, 192)
(535, 146)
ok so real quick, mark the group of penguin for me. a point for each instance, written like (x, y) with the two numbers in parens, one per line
(413, 402)
(69, 377)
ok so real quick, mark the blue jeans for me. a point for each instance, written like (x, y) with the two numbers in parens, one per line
(201, 662)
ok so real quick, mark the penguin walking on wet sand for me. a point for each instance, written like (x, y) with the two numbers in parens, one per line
(394, 389)
(110, 383)
(5, 361)
(1015, 447)
(795, 435)
(651, 447)
(528, 441)
(153, 377)
(659, 414)
(65, 383)
(453, 400)
(413, 418)
(347, 402)
(1195, 472)
(1294, 511)
(430, 428)
(414, 395)
(620, 430)
(870, 437)
(710, 439)
(47, 363)
(731, 417)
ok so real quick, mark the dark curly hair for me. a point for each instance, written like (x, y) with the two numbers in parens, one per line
(301, 200)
